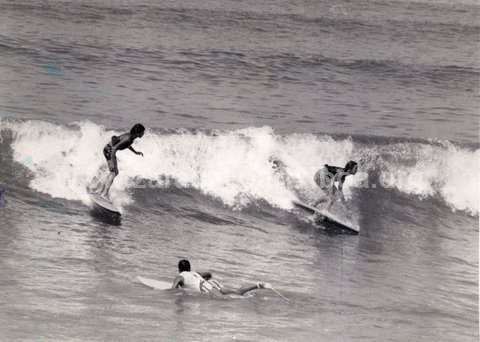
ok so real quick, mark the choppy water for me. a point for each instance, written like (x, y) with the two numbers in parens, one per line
(223, 87)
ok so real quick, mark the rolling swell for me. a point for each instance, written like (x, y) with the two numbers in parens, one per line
(234, 167)
(347, 17)
(244, 65)
(318, 22)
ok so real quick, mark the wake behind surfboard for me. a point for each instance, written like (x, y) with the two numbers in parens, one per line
(328, 217)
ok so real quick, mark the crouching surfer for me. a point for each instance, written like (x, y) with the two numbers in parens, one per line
(330, 179)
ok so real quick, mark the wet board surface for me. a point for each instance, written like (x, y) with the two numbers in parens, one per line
(155, 284)
(342, 223)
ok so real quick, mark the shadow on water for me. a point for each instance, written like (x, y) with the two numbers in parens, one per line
(320, 226)
(106, 216)
(331, 228)
(334, 228)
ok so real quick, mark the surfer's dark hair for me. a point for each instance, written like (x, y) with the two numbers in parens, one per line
(184, 266)
(137, 129)
(349, 166)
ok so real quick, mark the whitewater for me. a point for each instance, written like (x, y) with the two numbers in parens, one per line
(236, 166)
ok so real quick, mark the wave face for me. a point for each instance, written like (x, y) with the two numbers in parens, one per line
(442, 170)
(235, 166)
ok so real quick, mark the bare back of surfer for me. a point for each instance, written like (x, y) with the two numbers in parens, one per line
(119, 143)
(202, 282)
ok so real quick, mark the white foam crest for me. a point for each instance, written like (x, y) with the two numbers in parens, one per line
(235, 166)
(62, 160)
(232, 166)
(429, 170)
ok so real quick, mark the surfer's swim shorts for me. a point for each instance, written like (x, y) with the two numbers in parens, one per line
(112, 163)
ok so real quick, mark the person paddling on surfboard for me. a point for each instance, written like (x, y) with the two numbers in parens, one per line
(203, 282)
(326, 178)
(117, 144)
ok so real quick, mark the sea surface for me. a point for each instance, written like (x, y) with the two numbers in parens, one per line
(224, 88)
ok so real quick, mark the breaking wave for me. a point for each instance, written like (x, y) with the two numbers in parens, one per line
(236, 166)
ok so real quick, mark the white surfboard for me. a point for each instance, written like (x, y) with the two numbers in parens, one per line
(104, 203)
(328, 217)
(155, 284)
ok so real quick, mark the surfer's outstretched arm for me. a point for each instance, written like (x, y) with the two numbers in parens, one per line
(133, 150)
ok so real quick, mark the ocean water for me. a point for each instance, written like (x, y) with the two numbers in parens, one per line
(223, 87)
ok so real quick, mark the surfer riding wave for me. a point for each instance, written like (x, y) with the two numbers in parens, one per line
(119, 143)
(328, 176)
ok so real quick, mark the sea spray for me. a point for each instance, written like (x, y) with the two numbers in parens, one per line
(236, 166)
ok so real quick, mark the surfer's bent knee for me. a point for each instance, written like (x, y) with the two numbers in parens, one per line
(322, 179)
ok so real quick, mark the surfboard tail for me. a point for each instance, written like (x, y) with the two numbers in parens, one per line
(155, 284)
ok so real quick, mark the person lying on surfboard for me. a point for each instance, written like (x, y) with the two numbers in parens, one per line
(203, 282)
(326, 178)
(117, 144)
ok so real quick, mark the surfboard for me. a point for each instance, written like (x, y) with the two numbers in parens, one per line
(155, 284)
(328, 217)
(163, 285)
(103, 203)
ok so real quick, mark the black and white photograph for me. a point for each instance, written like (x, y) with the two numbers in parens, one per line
(239, 170)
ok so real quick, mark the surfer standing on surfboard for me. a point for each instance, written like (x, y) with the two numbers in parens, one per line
(117, 144)
(203, 282)
(326, 178)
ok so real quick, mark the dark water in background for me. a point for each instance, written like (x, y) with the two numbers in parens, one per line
(389, 68)
(223, 86)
